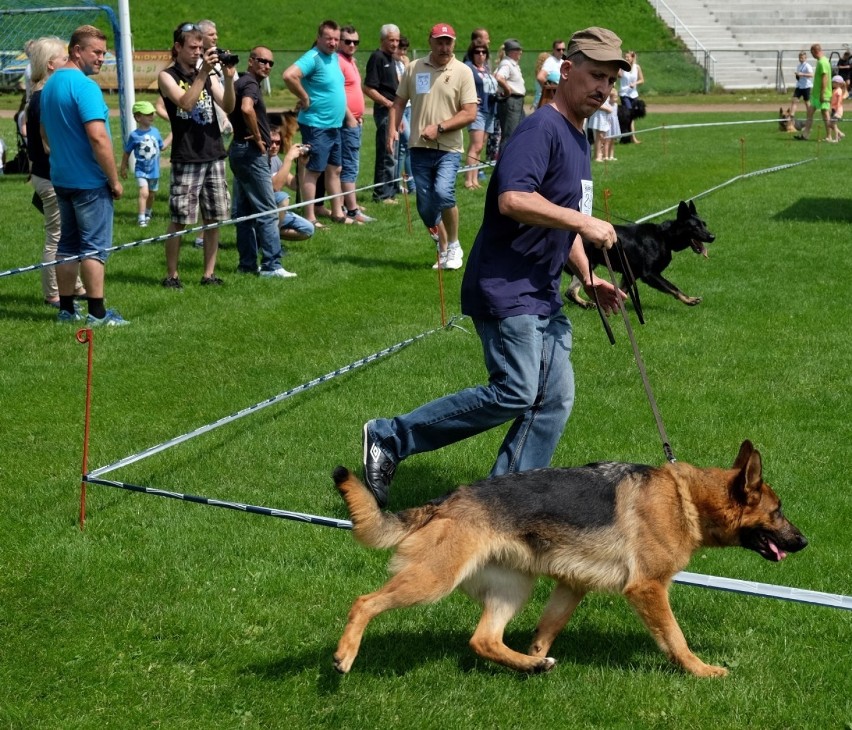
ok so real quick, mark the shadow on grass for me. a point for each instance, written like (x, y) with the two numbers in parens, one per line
(369, 262)
(817, 210)
(397, 653)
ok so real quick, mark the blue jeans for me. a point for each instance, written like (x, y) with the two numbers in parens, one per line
(530, 382)
(350, 153)
(291, 221)
(403, 155)
(435, 174)
(385, 167)
(85, 222)
(252, 194)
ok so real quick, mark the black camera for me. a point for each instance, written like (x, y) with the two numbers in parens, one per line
(226, 58)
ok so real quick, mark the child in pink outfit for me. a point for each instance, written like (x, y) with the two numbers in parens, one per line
(838, 94)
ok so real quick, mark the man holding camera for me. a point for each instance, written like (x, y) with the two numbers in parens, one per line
(251, 165)
(190, 93)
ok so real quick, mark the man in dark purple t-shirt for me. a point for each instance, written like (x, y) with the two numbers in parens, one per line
(538, 205)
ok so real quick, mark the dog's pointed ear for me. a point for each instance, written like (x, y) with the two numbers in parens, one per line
(747, 483)
(692, 210)
(683, 210)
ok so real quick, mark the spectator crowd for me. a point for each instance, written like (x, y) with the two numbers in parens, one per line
(219, 124)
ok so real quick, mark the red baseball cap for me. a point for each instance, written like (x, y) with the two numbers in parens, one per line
(442, 30)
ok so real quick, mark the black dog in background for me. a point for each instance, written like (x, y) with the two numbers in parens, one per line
(649, 248)
(626, 116)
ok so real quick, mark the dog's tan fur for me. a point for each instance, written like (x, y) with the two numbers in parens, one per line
(787, 122)
(661, 517)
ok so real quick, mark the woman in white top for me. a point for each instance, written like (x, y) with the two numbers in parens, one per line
(628, 84)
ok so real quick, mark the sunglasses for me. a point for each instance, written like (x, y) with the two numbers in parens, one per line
(265, 61)
(186, 27)
(350, 42)
(480, 50)
(276, 142)
(559, 50)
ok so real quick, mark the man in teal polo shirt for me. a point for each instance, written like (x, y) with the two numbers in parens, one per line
(317, 81)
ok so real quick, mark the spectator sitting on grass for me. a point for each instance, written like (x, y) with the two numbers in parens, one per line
(291, 227)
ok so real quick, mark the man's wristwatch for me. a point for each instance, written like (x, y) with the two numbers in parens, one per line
(440, 129)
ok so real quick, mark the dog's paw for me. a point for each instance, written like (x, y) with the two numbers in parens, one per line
(341, 664)
(709, 670)
(545, 665)
(692, 301)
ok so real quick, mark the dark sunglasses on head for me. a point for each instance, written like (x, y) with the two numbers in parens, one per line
(186, 27)
(265, 61)
(350, 42)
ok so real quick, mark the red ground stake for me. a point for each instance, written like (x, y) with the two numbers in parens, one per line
(86, 336)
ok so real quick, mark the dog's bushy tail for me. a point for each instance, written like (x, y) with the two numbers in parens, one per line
(371, 526)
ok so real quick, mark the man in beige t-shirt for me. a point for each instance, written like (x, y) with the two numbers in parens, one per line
(443, 102)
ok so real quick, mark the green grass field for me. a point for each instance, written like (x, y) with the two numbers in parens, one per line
(176, 615)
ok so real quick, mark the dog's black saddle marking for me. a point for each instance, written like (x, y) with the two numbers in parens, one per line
(580, 497)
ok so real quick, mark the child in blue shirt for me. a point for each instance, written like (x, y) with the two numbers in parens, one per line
(145, 142)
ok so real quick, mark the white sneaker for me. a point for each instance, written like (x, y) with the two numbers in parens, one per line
(278, 274)
(441, 263)
(454, 256)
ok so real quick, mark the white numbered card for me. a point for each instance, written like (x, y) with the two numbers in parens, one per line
(423, 82)
(586, 199)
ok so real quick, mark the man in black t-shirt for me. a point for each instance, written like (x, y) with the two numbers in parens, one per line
(190, 93)
(250, 163)
(380, 84)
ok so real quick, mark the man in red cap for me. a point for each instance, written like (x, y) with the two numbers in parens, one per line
(443, 102)
(538, 213)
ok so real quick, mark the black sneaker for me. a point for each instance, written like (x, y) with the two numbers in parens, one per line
(378, 468)
(211, 281)
(172, 282)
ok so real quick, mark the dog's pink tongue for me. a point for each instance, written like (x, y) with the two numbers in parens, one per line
(779, 554)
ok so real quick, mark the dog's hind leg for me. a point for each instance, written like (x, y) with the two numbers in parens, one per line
(502, 593)
(429, 564)
(556, 614)
(572, 293)
(650, 600)
(406, 588)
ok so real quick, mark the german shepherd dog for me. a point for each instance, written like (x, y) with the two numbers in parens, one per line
(625, 528)
(787, 122)
(649, 248)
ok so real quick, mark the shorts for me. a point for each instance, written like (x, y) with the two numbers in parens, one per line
(819, 106)
(325, 147)
(484, 122)
(199, 184)
(85, 222)
(803, 94)
(149, 183)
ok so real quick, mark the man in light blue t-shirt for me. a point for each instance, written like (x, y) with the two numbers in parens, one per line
(317, 82)
(75, 128)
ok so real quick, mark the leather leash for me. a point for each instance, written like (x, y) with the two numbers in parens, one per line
(633, 292)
